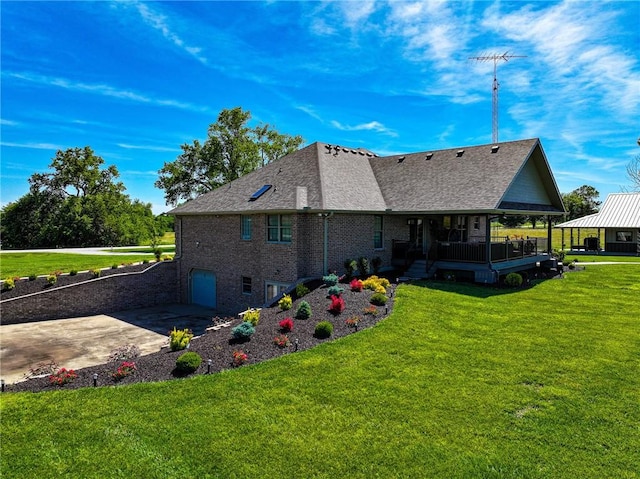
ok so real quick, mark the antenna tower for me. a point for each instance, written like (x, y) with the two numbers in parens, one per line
(495, 59)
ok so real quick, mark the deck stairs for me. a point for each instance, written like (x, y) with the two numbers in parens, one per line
(418, 269)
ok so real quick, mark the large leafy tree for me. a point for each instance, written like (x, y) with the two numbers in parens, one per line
(76, 203)
(231, 150)
(581, 202)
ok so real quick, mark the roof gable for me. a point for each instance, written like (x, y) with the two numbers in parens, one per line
(620, 210)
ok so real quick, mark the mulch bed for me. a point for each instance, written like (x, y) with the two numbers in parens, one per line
(219, 347)
(24, 286)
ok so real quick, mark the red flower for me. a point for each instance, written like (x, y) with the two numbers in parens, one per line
(286, 325)
(356, 285)
(337, 305)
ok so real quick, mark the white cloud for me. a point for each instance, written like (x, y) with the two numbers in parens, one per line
(33, 146)
(146, 147)
(8, 122)
(371, 126)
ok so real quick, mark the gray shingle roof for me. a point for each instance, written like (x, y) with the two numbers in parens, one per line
(620, 210)
(322, 177)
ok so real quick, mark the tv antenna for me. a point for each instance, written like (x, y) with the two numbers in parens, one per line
(494, 114)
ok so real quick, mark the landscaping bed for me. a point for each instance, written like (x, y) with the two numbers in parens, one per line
(218, 345)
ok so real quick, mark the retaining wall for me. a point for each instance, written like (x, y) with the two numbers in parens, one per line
(117, 292)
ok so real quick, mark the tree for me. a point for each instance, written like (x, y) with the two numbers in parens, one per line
(231, 150)
(633, 172)
(78, 203)
(581, 202)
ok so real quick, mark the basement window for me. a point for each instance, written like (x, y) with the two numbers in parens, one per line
(246, 285)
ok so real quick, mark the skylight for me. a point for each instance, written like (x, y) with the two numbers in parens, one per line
(260, 192)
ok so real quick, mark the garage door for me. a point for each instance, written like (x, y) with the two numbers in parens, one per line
(203, 288)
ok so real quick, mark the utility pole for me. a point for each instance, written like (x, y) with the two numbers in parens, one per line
(494, 113)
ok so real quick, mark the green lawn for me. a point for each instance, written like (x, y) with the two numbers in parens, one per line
(459, 382)
(25, 264)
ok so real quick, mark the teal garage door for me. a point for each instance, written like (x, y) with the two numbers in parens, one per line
(203, 288)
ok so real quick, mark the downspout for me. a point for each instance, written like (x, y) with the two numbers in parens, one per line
(549, 244)
(325, 246)
(487, 235)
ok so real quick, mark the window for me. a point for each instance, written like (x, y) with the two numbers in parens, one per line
(273, 290)
(279, 228)
(246, 227)
(476, 222)
(377, 232)
(623, 235)
(246, 285)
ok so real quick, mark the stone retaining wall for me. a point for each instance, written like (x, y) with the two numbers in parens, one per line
(117, 292)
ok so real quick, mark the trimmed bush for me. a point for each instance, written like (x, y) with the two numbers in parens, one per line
(376, 263)
(363, 266)
(285, 302)
(52, 279)
(187, 363)
(324, 329)
(303, 311)
(513, 280)
(33, 277)
(73, 272)
(335, 290)
(301, 290)
(243, 331)
(330, 279)
(378, 299)
(350, 266)
(252, 316)
(114, 266)
(179, 338)
(96, 272)
(9, 284)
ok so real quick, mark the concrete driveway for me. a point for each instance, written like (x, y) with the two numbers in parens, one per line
(87, 341)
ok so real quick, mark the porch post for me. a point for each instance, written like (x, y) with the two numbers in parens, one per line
(562, 245)
(549, 230)
(487, 239)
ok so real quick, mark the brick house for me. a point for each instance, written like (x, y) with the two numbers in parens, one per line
(248, 241)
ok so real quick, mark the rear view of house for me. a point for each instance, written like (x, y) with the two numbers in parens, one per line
(302, 216)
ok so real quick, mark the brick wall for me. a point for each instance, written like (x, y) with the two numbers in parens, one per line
(117, 292)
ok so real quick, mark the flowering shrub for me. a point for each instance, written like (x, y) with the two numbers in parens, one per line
(282, 341)
(286, 325)
(337, 305)
(353, 322)
(62, 376)
(252, 316)
(125, 369)
(285, 303)
(239, 358)
(179, 338)
(9, 284)
(356, 285)
(124, 353)
(372, 310)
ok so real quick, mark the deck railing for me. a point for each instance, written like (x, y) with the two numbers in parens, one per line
(500, 251)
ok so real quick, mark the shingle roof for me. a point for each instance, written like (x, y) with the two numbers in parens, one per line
(322, 177)
(620, 210)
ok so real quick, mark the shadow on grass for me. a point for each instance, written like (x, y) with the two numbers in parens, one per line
(476, 290)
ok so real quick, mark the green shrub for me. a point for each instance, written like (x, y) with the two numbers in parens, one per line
(376, 263)
(73, 272)
(252, 316)
(301, 290)
(145, 261)
(558, 254)
(335, 290)
(513, 280)
(330, 279)
(9, 284)
(179, 338)
(157, 252)
(96, 272)
(303, 311)
(243, 331)
(285, 302)
(350, 266)
(187, 363)
(378, 299)
(33, 277)
(324, 329)
(52, 279)
(114, 266)
(363, 266)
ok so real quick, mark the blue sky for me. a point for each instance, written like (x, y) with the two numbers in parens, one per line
(135, 80)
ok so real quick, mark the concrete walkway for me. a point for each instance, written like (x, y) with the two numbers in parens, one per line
(87, 341)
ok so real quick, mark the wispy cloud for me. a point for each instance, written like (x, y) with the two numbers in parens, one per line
(33, 146)
(8, 122)
(370, 126)
(104, 90)
(146, 147)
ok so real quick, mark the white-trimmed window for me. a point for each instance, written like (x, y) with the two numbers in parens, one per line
(279, 228)
(273, 289)
(246, 227)
(378, 240)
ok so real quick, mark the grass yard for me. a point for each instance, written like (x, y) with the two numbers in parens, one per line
(25, 264)
(459, 382)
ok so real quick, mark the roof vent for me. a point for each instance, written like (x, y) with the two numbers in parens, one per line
(401, 159)
(361, 153)
(460, 153)
(429, 156)
(260, 192)
(328, 147)
(495, 148)
(346, 150)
